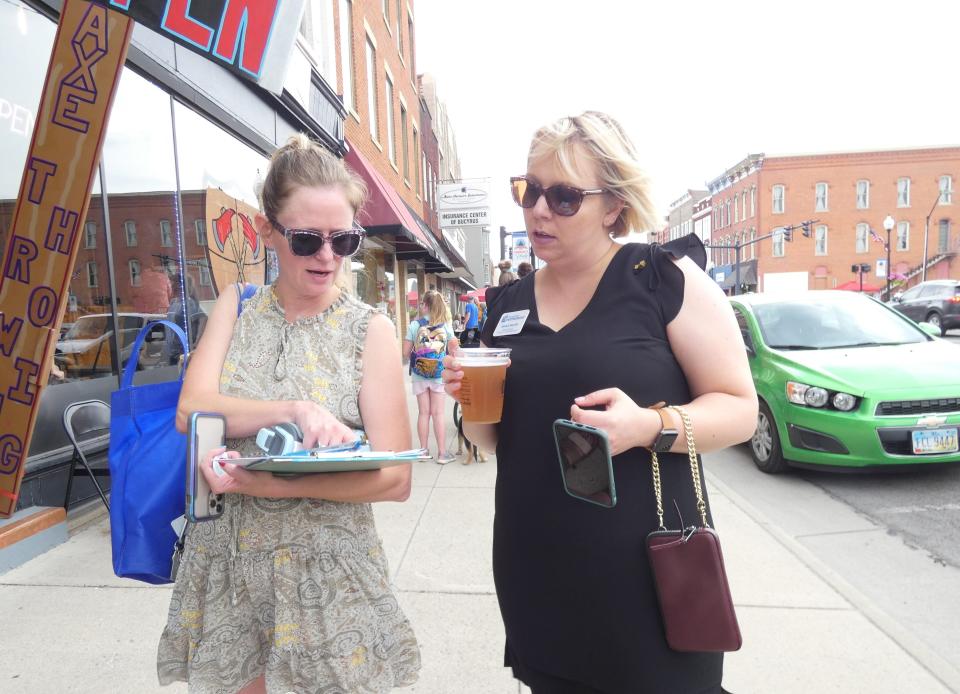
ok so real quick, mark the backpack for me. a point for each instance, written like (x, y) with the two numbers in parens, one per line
(429, 349)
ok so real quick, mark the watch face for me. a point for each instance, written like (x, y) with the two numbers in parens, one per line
(665, 440)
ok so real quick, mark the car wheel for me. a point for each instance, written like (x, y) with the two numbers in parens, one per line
(934, 319)
(765, 444)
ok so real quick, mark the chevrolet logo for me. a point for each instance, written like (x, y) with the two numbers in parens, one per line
(931, 421)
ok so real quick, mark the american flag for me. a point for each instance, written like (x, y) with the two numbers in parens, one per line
(877, 238)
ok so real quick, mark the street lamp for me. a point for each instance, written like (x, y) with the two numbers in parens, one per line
(888, 224)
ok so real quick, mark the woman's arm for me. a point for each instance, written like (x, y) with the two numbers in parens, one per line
(706, 342)
(405, 351)
(383, 408)
(245, 417)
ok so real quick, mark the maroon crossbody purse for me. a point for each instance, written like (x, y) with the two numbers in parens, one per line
(689, 574)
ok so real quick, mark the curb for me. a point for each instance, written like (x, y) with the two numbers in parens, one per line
(934, 663)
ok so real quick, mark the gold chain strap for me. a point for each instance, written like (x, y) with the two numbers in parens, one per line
(694, 470)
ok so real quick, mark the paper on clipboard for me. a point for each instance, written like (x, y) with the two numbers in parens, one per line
(331, 461)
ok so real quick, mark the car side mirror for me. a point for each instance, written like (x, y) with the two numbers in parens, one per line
(929, 328)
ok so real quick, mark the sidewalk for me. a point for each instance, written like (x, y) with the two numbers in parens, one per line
(71, 626)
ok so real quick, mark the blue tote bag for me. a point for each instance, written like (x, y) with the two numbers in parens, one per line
(147, 469)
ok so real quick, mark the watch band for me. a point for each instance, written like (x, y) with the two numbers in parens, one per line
(668, 433)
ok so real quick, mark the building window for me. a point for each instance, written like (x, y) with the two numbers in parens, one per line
(903, 192)
(416, 160)
(729, 215)
(778, 242)
(820, 245)
(946, 190)
(778, 201)
(386, 11)
(165, 238)
(90, 235)
(372, 90)
(753, 201)
(903, 236)
(943, 241)
(204, 266)
(92, 279)
(130, 227)
(413, 71)
(821, 204)
(743, 203)
(200, 226)
(863, 195)
(863, 236)
(346, 53)
(134, 266)
(404, 144)
(391, 131)
(399, 19)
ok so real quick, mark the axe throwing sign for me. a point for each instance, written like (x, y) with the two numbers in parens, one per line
(82, 77)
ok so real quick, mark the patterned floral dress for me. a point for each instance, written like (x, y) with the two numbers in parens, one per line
(296, 589)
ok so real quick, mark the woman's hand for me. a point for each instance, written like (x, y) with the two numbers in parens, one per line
(319, 426)
(626, 424)
(236, 479)
(451, 376)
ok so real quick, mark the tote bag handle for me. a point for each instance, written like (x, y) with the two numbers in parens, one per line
(131, 365)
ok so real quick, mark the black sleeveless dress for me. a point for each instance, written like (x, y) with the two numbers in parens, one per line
(572, 578)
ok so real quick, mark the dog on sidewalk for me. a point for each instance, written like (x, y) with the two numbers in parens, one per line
(474, 454)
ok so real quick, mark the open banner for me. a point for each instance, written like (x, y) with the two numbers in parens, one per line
(251, 38)
(82, 78)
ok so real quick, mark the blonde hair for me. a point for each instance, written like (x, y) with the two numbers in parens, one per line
(303, 162)
(604, 141)
(437, 311)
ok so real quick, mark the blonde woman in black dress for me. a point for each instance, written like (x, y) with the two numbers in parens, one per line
(612, 329)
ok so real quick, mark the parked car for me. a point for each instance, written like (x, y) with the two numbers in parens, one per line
(85, 348)
(845, 381)
(935, 301)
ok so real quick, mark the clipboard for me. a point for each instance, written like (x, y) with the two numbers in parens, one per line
(341, 461)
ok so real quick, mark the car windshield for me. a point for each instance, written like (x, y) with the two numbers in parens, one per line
(89, 327)
(834, 322)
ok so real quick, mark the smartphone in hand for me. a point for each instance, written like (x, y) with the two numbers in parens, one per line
(207, 430)
(585, 462)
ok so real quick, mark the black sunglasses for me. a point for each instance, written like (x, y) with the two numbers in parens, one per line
(307, 242)
(562, 199)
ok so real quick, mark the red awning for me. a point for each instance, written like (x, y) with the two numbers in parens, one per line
(384, 205)
(854, 286)
(480, 294)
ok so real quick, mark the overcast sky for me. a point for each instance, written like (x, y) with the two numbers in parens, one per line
(698, 85)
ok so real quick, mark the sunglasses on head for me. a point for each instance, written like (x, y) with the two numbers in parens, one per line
(562, 199)
(306, 242)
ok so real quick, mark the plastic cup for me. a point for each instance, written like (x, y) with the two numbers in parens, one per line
(481, 390)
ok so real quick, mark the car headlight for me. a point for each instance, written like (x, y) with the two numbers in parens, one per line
(844, 402)
(814, 396)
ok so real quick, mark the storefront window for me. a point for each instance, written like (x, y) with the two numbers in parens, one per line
(219, 177)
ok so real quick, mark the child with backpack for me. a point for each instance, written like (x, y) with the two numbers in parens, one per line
(428, 340)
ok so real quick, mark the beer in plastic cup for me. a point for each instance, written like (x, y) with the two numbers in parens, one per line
(481, 390)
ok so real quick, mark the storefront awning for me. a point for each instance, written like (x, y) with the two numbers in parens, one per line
(748, 275)
(435, 259)
(385, 211)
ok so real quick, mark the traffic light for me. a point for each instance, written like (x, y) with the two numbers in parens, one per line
(805, 228)
(788, 233)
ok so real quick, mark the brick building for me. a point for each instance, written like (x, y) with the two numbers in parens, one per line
(377, 80)
(846, 197)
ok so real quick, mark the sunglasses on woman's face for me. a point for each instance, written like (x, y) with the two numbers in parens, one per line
(562, 199)
(307, 242)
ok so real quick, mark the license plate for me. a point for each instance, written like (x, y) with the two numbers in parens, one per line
(928, 441)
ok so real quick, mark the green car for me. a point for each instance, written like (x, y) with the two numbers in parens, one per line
(847, 382)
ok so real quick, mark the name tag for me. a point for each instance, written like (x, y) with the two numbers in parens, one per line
(511, 323)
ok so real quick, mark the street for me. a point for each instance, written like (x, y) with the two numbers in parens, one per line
(893, 539)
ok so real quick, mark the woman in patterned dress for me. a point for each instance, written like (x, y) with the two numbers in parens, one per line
(288, 591)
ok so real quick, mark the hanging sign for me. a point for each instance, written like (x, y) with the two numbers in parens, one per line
(252, 38)
(84, 71)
